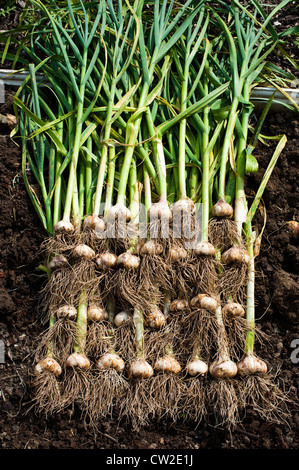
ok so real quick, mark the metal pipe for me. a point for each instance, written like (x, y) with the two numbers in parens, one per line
(16, 77)
(258, 95)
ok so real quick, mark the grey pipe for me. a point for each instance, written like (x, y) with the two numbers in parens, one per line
(16, 78)
(259, 95)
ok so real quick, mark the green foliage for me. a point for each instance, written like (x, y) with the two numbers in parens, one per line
(8, 7)
(128, 83)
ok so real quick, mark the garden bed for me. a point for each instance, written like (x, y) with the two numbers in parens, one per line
(21, 282)
(20, 326)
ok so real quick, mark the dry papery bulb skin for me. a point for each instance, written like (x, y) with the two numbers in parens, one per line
(96, 313)
(183, 205)
(118, 211)
(151, 247)
(251, 364)
(48, 364)
(223, 368)
(177, 253)
(67, 311)
(222, 209)
(121, 318)
(78, 360)
(155, 318)
(179, 305)
(84, 251)
(140, 369)
(106, 260)
(235, 254)
(195, 301)
(233, 309)
(197, 367)
(94, 222)
(63, 226)
(128, 261)
(294, 228)
(8, 120)
(204, 301)
(111, 361)
(160, 211)
(58, 262)
(204, 249)
(167, 364)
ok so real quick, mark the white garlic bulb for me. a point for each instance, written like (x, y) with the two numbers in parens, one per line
(50, 365)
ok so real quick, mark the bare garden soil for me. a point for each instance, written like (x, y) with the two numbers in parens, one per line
(277, 303)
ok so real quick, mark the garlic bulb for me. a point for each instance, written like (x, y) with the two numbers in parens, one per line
(78, 360)
(251, 364)
(63, 226)
(151, 247)
(121, 318)
(179, 305)
(222, 209)
(84, 251)
(195, 301)
(67, 311)
(197, 367)
(140, 369)
(120, 212)
(204, 301)
(106, 260)
(235, 254)
(223, 368)
(8, 120)
(167, 364)
(50, 365)
(204, 249)
(177, 253)
(160, 211)
(294, 228)
(94, 222)
(111, 361)
(233, 309)
(209, 303)
(155, 318)
(58, 262)
(128, 261)
(96, 313)
(183, 205)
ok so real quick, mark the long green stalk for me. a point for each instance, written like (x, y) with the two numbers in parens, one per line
(240, 197)
(139, 332)
(118, 72)
(160, 47)
(132, 134)
(205, 171)
(80, 339)
(76, 147)
(250, 294)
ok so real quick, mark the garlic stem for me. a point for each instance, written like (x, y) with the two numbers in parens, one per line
(250, 307)
(139, 330)
(50, 345)
(81, 324)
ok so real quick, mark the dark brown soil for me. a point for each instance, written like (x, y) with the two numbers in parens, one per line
(277, 312)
